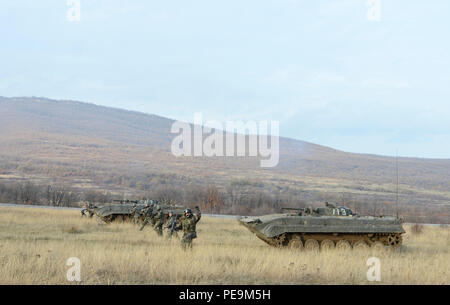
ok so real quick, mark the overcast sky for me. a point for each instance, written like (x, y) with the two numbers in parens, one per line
(326, 72)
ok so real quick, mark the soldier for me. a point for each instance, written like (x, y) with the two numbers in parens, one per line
(308, 211)
(87, 208)
(158, 220)
(91, 207)
(188, 225)
(147, 211)
(135, 213)
(329, 205)
(172, 224)
(330, 209)
(84, 210)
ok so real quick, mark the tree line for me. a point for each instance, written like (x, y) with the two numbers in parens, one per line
(52, 195)
(236, 199)
(239, 199)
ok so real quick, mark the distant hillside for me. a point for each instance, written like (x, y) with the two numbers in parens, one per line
(97, 147)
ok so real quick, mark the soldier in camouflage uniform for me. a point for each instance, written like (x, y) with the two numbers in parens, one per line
(188, 224)
(147, 211)
(87, 209)
(135, 212)
(158, 220)
(172, 225)
(84, 210)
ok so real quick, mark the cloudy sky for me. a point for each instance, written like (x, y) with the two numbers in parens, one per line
(326, 72)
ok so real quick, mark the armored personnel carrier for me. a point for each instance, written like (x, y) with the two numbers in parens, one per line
(115, 212)
(326, 228)
(125, 211)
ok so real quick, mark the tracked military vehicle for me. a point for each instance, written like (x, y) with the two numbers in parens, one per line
(325, 228)
(125, 211)
(115, 212)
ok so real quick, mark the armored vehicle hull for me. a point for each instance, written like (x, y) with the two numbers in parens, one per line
(124, 212)
(115, 212)
(326, 231)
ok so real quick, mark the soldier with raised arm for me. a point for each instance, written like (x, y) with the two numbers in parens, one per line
(188, 224)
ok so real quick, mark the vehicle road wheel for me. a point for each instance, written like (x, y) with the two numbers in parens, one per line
(280, 240)
(343, 245)
(378, 246)
(312, 245)
(394, 240)
(326, 245)
(360, 245)
(296, 243)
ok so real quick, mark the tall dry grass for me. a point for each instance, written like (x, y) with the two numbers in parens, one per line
(35, 245)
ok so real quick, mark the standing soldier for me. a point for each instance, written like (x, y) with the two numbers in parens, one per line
(159, 220)
(91, 209)
(135, 212)
(88, 208)
(188, 225)
(84, 210)
(172, 224)
(147, 211)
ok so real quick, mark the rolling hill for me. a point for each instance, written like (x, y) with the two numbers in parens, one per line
(127, 152)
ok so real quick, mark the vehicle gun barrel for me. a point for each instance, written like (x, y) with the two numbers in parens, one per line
(125, 201)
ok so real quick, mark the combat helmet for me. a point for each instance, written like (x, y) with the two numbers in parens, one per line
(188, 211)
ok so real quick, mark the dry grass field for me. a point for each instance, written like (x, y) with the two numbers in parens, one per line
(36, 243)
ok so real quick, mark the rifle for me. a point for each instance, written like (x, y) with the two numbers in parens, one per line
(126, 201)
(298, 211)
(173, 224)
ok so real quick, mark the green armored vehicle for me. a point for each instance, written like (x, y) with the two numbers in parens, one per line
(115, 212)
(126, 211)
(325, 228)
